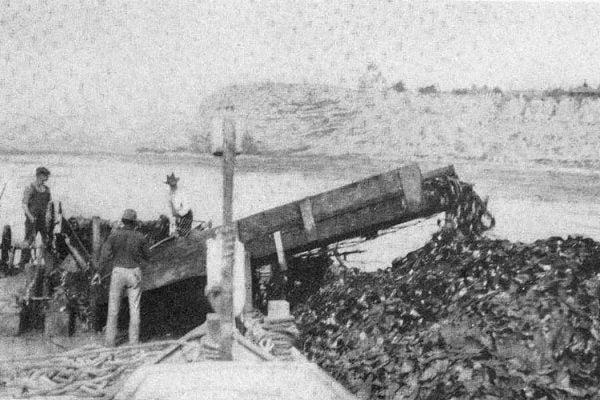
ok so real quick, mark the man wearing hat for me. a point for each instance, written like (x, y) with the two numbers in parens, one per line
(182, 215)
(126, 252)
(35, 205)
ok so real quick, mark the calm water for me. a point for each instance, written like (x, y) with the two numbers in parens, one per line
(106, 185)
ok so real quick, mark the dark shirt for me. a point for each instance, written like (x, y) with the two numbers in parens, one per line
(37, 200)
(125, 248)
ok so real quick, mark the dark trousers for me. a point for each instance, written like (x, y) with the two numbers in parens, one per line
(31, 231)
(184, 224)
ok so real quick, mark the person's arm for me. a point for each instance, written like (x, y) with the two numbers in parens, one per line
(106, 255)
(172, 206)
(171, 216)
(48, 213)
(183, 204)
(26, 197)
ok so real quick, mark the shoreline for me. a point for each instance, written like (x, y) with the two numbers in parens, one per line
(316, 161)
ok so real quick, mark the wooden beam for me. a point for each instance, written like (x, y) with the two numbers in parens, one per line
(279, 249)
(182, 258)
(439, 172)
(229, 236)
(308, 219)
(248, 302)
(412, 187)
(366, 220)
(326, 205)
(96, 240)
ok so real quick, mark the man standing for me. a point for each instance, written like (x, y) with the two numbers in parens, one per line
(35, 205)
(126, 252)
(180, 207)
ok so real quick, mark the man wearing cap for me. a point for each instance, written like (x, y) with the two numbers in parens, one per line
(126, 252)
(35, 205)
(180, 207)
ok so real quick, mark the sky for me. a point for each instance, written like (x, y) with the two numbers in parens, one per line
(209, 44)
(116, 60)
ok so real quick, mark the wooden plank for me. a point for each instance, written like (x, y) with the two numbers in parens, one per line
(280, 251)
(439, 172)
(295, 238)
(340, 227)
(179, 259)
(241, 380)
(328, 204)
(324, 205)
(96, 240)
(248, 307)
(412, 187)
(356, 195)
(308, 219)
(269, 221)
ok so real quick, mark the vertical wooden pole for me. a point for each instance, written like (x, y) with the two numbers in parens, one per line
(213, 327)
(280, 251)
(280, 276)
(248, 302)
(229, 235)
(94, 321)
(96, 240)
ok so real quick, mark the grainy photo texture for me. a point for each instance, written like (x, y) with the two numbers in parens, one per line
(299, 200)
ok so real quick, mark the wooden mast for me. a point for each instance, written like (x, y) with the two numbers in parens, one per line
(229, 235)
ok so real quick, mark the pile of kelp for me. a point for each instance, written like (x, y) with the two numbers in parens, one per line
(464, 317)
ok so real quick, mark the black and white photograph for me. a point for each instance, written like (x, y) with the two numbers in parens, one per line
(282, 199)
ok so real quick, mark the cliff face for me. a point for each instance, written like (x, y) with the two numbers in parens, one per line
(319, 119)
(492, 127)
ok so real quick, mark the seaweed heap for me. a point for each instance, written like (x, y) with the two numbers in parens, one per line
(464, 317)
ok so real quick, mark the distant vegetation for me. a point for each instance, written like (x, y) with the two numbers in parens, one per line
(431, 89)
(577, 92)
(399, 87)
(477, 90)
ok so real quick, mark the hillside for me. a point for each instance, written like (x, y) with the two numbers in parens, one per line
(276, 118)
(504, 128)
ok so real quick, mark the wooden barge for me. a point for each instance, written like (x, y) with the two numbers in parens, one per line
(358, 209)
